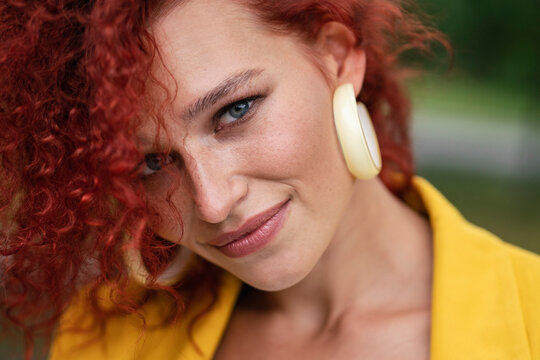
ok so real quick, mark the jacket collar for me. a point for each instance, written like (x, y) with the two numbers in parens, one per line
(476, 312)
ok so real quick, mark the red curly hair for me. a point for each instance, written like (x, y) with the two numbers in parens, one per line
(73, 75)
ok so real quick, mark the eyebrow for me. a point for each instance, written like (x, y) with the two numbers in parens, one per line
(230, 84)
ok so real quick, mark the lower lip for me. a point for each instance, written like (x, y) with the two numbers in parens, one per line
(257, 239)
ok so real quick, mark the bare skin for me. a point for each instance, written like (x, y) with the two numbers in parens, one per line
(349, 274)
(382, 315)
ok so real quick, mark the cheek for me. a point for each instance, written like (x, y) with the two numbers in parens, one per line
(299, 145)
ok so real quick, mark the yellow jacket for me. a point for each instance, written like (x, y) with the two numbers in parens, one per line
(485, 302)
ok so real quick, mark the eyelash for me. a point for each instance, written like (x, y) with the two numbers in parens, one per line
(216, 119)
(171, 158)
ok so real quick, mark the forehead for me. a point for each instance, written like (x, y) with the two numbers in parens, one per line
(203, 43)
(202, 39)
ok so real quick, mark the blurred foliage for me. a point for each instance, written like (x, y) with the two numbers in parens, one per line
(465, 97)
(496, 41)
(496, 54)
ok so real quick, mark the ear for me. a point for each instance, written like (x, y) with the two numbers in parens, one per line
(336, 43)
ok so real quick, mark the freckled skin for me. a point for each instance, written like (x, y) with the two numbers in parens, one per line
(349, 273)
(288, 149)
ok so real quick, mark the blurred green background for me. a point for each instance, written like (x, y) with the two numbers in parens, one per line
(476, 127)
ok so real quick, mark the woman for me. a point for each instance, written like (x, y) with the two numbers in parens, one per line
(230, 129)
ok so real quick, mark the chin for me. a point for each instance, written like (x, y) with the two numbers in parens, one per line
(273, 280)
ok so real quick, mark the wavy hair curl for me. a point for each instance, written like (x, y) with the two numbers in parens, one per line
(73, 75)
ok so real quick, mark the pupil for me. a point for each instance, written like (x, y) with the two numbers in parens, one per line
(153, 162)
(239, 109)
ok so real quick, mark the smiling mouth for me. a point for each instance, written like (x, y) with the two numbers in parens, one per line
(254, 234)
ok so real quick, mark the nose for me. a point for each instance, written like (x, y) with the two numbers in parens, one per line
(216, 187)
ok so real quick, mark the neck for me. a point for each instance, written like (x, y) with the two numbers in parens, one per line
(378, 262)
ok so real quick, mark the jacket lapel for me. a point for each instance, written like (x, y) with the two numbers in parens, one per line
(476, 312)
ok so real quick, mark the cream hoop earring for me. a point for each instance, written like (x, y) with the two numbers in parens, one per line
(356, 134)
(172, 274)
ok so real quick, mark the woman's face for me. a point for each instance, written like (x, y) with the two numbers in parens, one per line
(253, 146)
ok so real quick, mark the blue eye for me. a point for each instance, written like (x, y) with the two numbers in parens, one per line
(155, 162)
(236, 111)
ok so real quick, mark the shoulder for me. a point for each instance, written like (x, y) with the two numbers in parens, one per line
(485, 300)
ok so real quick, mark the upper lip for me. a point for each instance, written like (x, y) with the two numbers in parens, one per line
(250, 225)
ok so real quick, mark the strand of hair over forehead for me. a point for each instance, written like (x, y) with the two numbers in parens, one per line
(73, 75)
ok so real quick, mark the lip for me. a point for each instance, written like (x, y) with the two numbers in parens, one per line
(254, 234)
